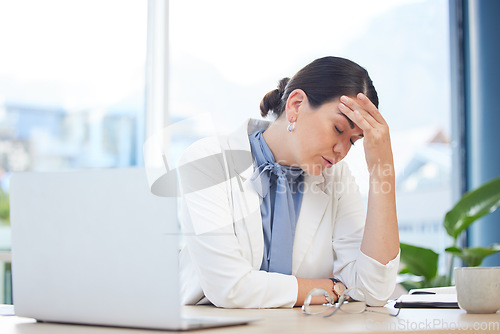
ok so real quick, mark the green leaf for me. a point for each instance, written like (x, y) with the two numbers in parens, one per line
(405, 271)
(454, 250)
(441, 280)
(472, 206)
(473, 257)
(419, 261)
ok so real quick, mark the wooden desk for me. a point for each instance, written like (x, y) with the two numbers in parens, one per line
(293, 321)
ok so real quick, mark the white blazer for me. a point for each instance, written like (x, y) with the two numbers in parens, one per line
(224, 240)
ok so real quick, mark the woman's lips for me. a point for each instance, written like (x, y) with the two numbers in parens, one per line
(327, 162)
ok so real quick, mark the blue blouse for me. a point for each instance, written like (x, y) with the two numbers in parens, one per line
(281, 190)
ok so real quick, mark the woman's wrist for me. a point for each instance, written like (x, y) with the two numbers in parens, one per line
(338, 288)
(307, 284)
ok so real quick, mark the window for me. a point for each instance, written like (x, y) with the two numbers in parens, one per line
(71, 83)
(72, 77)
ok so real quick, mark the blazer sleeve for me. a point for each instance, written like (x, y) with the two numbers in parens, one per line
(225, 276)
(351, 265)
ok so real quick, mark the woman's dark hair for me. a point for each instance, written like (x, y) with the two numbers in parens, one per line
(323, 80)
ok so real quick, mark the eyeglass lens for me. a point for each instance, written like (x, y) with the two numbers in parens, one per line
(319, 302)
(351, 301)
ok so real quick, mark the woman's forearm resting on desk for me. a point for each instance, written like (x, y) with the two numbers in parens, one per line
(307, 284)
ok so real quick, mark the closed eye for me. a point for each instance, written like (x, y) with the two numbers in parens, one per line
(354, 142)
(341, 132)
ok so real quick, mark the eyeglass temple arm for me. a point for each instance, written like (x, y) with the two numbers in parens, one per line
(335, 309)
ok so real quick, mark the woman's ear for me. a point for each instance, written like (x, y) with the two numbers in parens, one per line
(296, 99)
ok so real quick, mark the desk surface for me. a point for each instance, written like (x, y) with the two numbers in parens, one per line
(293, 321)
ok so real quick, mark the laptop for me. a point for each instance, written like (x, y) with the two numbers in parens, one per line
(96, 247)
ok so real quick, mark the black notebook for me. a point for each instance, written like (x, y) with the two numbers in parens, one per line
(429, 298)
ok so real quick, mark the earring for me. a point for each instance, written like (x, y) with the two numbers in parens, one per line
(291, 127)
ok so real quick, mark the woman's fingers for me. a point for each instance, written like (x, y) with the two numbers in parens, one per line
(377, 142)
(356, 117)
(365, 107)
(368, 105)
(351, 104)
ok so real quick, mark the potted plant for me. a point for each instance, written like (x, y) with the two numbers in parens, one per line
(421, 264)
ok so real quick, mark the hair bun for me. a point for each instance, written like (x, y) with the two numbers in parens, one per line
(272, 100)
(282, 85)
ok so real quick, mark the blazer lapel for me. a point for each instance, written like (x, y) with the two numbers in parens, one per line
(246, 201)
(314, 204)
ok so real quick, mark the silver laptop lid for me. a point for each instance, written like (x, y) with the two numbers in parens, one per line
(94, 247)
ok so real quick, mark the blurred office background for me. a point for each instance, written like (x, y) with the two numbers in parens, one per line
(84, 83)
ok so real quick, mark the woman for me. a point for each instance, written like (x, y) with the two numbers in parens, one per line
(287, 216)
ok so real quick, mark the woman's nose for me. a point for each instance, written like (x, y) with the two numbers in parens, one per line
(341, 148)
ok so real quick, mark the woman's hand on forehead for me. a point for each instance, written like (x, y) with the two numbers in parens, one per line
(367, 117)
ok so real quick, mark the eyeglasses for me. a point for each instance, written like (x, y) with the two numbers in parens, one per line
(350, 301)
